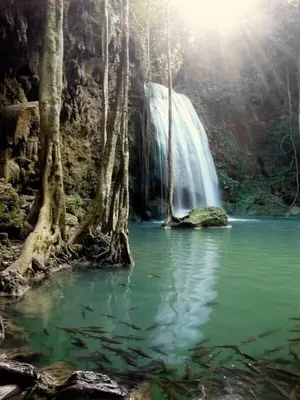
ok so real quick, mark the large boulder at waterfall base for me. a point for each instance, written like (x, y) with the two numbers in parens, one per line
(204, 217)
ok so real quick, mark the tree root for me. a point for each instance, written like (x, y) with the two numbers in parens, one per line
(12, 283)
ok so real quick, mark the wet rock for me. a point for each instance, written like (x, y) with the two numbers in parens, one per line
(204, 217)
(294, 211)
(24, 354)
(2, 329)
(71, 220)
(90, 385)
(60, 371)
(12, 372)
(3, 237)
(8, 391)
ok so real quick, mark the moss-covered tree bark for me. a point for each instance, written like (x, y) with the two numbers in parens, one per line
(108, 213)
(48, 216)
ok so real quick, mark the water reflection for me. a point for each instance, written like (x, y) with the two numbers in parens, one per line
(189, 288)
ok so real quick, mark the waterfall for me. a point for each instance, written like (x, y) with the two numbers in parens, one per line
(195, 177)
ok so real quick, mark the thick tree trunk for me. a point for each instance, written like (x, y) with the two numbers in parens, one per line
(119, 245)
(49, 229)
(105, 74)
(170, 136)
(109, 212)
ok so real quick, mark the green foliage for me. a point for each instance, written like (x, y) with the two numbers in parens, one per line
(75, 205)
(10, 217)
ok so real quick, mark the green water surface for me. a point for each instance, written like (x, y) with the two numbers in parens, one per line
(226, 284)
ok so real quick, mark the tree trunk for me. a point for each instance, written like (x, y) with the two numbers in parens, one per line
(119, 245)
(109, 212)
(170, 136)
(50, 225)
(105, 74)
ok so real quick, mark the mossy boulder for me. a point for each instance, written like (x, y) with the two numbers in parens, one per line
(203, 217)
(10, 216)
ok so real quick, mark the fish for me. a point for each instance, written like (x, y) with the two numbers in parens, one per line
(157, 325)
(297, 339)
(83, 314)
(249, 339)
(202, 352)
(294, 330)
(211, 303)
(158, 350)
(104, 356)
(269, 332)
(213, 368)
(250, 366)
(279, 347)
(295, 318)
(189, 373)
(140, 352)
(279, 388)
(282, 361)
(87, 308)
(295, 355)
(117, 351)
(263, 363)
(153, 276)
(129, 360)
(92, 329)
(126, 285)
(284, 371)
(204, 340)
(46, 332)
(68, 330)
(210, 357)
(108, 315)
(170, 392)
(130, 337)
(133, 308)
(79, 343)
(130, 325)
(108, 340)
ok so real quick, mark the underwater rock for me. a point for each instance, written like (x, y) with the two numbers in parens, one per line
(202, 218)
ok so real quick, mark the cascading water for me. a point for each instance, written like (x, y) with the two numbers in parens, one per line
(195, 177)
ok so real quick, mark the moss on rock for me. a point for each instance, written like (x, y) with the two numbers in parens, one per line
(203, 217)
(10, 216)
(75, 206)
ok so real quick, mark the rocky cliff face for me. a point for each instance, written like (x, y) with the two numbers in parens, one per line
(21, 34)
(241, 92)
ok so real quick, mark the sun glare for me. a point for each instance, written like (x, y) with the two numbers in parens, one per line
(222, 14)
